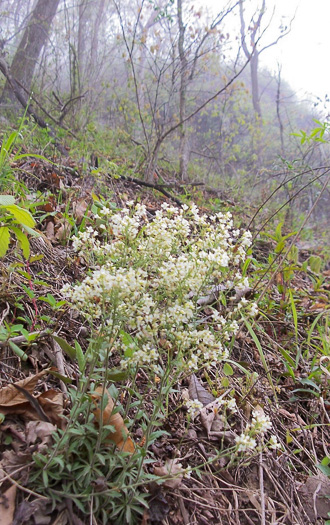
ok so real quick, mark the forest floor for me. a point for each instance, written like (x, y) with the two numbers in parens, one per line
(282, 371)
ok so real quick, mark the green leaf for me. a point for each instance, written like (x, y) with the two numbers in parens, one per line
(7, 145)
(116, 375)
(68, 349)
(324, 468)
(29, 230)
(307, 381)
(227, 370)
(6, 200)
(4, 240)
(22, 216)
(80, 356)
(294, 314)
(63, 378)
(36, 258)
(23, 241)
(18, 351)
(287, 357)
(262, 355)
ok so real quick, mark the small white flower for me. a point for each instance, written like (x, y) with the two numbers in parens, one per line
(245, 442)
(194, 407)
(273, 443)
(260, 422)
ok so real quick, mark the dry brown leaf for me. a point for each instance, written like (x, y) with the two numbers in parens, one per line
(52, 404)
(50, 230)
(171, 468)
(13, 401)
(120, 437)
(7, 506)
(79, 209)
(287, 414)
(318, 307)
(12, 463)
(197, 391)
(40, 509)
(210, 418)
(9, 396)
(63, 231)
(39, 430)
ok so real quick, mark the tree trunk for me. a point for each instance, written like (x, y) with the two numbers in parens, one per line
(83, 23)
(278, 111)
(95, 35)
(28, 51)
(253, 55)
(183, 149)
(255, 86)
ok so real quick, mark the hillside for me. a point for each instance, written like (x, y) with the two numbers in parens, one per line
(159, 363)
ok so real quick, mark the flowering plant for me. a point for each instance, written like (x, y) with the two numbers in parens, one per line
(150, 272)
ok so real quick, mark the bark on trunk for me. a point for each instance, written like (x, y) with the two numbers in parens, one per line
(183, 149)
(255, 85)
(28, 51)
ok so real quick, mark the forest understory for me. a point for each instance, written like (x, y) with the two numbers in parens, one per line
(239, 438)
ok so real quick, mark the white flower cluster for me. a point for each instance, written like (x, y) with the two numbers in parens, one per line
(259, 425)
(149, 276)
(220, 404)
(194, 407)
(244, 442)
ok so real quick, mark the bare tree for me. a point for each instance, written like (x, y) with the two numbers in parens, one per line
(30, 46)
(252, 51)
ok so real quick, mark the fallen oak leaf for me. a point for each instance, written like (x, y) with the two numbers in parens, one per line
(51, 403)
(62, 230)
(39, 430)
(120, 436)
(211, 419)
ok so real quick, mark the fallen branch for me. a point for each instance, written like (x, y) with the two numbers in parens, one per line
(153, 186)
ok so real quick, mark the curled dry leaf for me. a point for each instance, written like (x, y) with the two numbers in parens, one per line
(120, 437)
(39, 430)
(211, 419)
(14, 401)
(9, 396)
(173, 469)
(50, 230)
